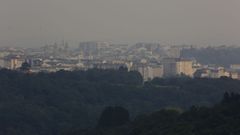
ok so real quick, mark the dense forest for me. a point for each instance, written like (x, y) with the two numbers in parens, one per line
(221, 119)
(222, 56)
(54, 103)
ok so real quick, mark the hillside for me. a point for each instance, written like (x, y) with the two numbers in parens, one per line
(52, 103)
(221, 119)
(221, 56)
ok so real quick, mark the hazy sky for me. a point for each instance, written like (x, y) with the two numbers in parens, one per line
(36, 22)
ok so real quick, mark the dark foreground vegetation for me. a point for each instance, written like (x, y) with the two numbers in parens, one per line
(221, 119)
(56, 103)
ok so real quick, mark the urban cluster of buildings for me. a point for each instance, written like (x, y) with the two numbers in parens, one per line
(149, 59)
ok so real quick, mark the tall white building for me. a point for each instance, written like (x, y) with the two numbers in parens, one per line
(185, 67)
(176, 67)
(149, 72)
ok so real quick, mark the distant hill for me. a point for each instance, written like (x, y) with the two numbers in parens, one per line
(222, 56)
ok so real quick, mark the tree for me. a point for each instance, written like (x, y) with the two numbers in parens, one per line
(25, 67)
(113, 117)
(123, 69)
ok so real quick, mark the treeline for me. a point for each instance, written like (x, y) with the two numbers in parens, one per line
(221, 119)
(222, 56)
(53, 103)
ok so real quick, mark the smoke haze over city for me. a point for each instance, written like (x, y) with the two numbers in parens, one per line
(119, 67)
(33, 23)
